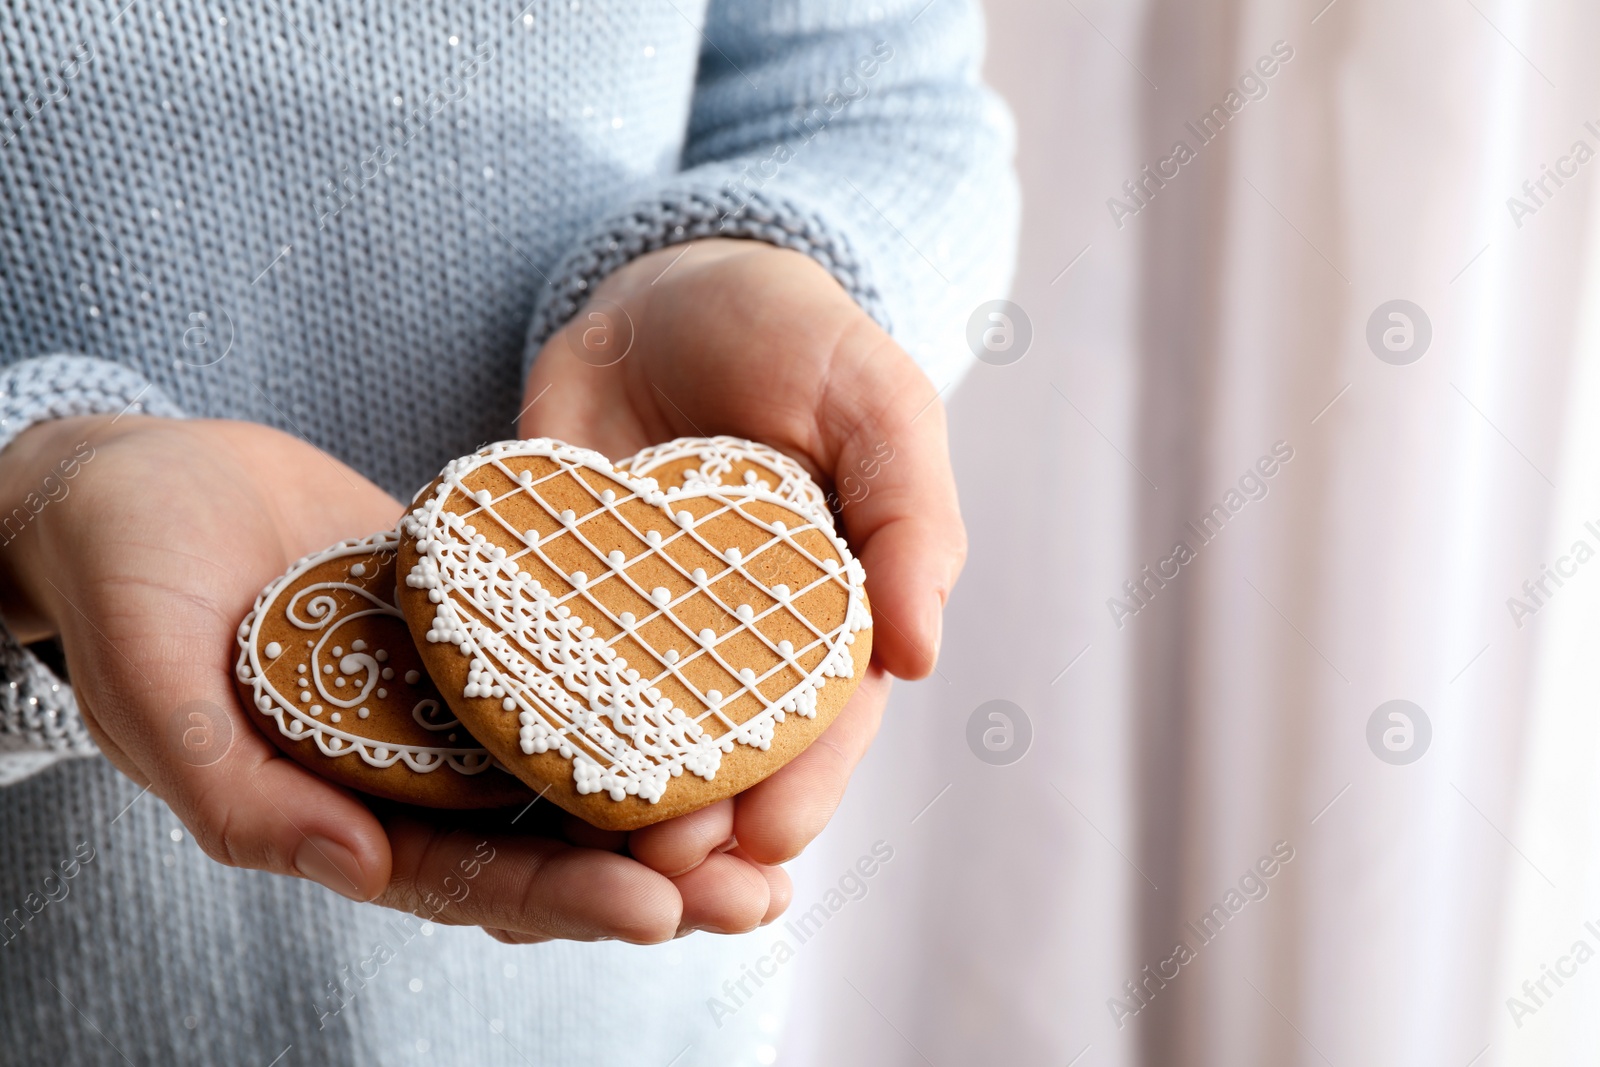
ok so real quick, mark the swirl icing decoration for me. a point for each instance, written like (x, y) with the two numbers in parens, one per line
(636, 631)
(326, 655)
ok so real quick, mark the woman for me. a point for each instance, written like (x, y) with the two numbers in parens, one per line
(267, 268)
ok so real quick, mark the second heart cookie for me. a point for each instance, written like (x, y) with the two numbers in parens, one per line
(602, 636)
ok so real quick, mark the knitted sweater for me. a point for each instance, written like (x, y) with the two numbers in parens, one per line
(356, 221)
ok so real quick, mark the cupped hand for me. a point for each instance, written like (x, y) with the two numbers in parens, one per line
(144, 561)
(743, 338)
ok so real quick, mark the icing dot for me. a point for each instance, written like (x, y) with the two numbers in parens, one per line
(482, 497)
(303, 682)
(579, 578)
(362, 713)
(671, 655)
(358, 570)
(382, 693)
(316, 709)
(616, 558)
(339, 682)
(685, 519)
(652, 537)
(747, 675)
(745, 612)
(733, 555)
(450, 737)
(714, 697)
(749, 477)
(708, 635)
(530, 535)
(327, 668)
(626, 618)
(412, 677)
(335, 716)
(509, 704)
(305, 698)
(830, 565)
(274, 650)
(381, 753)
(699, 575)
(785, 648)
(607, 496)
(779, 526)
(381, 656)
(358, 646)
(781, 592)
(660, 594)
(388, 673)
(569, 516)
(301, 668)
(338, 650)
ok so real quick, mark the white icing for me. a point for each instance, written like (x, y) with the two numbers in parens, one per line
(318, 607)
(719, 455)
(571, 690)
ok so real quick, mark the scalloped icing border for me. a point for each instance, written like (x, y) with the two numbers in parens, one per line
(331, 741)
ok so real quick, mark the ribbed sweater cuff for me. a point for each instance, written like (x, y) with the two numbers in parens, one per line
(39, 720)
(704, 202)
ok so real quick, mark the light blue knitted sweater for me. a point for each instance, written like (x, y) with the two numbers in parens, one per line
(356, 220)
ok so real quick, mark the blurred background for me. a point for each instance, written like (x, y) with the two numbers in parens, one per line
(1346, 268)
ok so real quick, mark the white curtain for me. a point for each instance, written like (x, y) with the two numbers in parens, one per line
(1230, 713)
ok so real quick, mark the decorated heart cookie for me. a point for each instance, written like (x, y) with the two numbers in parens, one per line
(727, 461)
(631, 651)
(329, 667)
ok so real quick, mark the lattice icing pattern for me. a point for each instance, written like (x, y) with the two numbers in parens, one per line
(337, 681)
(637, 631)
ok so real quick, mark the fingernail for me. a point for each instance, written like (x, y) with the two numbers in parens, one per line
(330, 865)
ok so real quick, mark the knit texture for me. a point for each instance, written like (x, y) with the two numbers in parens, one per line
(356, 222)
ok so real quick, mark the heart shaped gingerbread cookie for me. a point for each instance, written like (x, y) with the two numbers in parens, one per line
(329, 668)
(602, 635)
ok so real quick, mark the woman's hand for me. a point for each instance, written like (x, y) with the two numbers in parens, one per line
(743, 338)
(145, 567)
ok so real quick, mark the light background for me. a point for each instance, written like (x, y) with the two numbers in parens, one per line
(1232, 713)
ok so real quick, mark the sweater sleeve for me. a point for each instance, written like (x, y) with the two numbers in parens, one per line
(859, 135)
(39, 721)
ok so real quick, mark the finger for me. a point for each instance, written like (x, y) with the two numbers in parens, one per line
(580, 833)
(723, 895)
(245, 805)
(777, 818)
(885, 441)
(679, 845)
(780, 888)
(532, 887)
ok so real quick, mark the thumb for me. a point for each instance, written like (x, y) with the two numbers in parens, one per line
(884, 433)
(191, 739)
